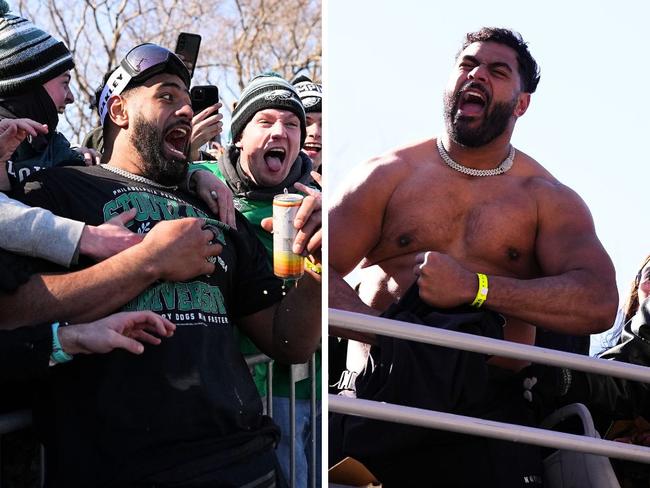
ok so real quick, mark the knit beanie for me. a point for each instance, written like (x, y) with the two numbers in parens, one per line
(29, 57)
(268, 90)
(310, 93)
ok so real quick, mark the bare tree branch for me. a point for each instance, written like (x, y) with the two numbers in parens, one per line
(240, 39)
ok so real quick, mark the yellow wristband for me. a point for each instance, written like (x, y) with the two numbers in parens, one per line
(315, 267)
(481, 294)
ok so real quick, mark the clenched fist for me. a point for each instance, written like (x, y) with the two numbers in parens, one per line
(443, 281)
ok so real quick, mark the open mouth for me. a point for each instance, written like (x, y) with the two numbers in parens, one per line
(472, 102)
(312, 148)
(274, 158)
(176, 140)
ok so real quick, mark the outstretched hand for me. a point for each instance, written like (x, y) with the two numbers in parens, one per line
(125, 330)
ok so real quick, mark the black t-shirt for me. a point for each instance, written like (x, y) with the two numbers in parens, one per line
(115, 418)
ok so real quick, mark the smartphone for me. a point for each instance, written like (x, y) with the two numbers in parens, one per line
(187, 46)
(203, 96)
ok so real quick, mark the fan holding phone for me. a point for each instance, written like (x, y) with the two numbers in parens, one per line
(206, 123)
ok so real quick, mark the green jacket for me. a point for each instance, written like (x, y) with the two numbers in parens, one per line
(255, 210)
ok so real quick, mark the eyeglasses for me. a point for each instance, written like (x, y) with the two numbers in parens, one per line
(141, 63)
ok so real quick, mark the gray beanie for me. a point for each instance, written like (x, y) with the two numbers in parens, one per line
(310, 93)
(268, 90)
(29, 56)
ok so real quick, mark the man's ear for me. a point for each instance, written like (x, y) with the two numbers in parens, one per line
(238, 143)
(523, 102)
(118, 112)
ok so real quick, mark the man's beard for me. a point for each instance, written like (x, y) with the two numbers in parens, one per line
(148, 141)
(495, 121)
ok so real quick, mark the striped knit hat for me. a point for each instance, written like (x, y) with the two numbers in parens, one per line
(310, 93)
(268, 90)
(29, 57)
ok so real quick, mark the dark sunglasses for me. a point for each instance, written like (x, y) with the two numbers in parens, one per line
(141, 63)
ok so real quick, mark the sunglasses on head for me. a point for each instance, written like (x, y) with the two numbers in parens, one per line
(141, 63)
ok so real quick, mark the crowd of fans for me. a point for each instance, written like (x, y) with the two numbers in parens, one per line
(125, 269)
(136, 273)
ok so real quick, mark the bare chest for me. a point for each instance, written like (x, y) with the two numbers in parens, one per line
(490, 222)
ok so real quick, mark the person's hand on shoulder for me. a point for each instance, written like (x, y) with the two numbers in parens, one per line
(216, 194)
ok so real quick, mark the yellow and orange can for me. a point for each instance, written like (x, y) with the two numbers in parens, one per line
(286, 264)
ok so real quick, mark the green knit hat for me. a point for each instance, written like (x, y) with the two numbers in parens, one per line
(29, 56)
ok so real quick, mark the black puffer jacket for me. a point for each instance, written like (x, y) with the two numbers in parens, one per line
(44, 151)
(617, 398)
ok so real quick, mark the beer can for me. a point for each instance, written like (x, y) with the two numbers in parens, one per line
(286, 264)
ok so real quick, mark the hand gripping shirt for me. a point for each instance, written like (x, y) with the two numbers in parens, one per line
(189, 402)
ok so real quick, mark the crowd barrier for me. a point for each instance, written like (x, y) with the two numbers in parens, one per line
(477, 426)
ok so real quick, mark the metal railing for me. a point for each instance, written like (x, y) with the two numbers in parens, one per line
(262, 358)
(476, 426)
(254, 360)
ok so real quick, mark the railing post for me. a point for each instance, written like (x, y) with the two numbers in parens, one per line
(292, 426)
(312, 415)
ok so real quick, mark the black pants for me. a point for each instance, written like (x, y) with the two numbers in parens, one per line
(441, 379)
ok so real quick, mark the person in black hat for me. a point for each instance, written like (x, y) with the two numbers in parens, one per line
(311, 95)
(35, 85)
(268, 129)
(34, 89)
(186, 413)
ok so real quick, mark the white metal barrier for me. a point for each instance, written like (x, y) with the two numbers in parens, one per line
(476, 426)
(486, 345)
(262, 358)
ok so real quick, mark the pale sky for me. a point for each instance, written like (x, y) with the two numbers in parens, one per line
(387, 63)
